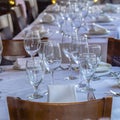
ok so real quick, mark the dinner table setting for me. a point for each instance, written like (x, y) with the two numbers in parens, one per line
(68, 57)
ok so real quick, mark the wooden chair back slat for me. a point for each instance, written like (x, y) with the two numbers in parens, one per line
(6, 26)
(113, 51)
(28, 110)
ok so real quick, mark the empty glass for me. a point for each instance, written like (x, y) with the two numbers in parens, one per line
(88, 63)
(35, 72)
(32, 42)
(52, 54)
(96, 49)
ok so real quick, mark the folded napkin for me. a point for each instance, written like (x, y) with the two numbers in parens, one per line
(103, 67)
(48, 18)
(110, 8)
(53, 8)
(41, 29)
(61, 93)
(103, 18)
(20, 63)
(96, 29)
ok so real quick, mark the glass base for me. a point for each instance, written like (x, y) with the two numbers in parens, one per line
(35, 96)
(70, 78)
(89, 89)
(81, 87)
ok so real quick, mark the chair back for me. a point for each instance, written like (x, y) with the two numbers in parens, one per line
(6, 26)
(13, 48)
(18, 18)
(113, 51)
(32, 10)
(28, 110)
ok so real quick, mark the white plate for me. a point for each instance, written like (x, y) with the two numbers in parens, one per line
(99, 33)
(102, 73)
(103, 67)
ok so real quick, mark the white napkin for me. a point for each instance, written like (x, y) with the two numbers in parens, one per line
(41, 29)
(53, 8)
(110, 8)
(61, 93)
(48, 18)
(103, 18)
(20, 63)
(103, 67)
(96, 29)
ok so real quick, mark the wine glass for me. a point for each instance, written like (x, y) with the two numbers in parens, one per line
(88, 62)
(96, 49)
(67, 48)
(35, 72)
(32, 42)
(52, 54)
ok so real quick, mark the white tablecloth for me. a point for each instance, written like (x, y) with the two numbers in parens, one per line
(112, 26)
(15, 83)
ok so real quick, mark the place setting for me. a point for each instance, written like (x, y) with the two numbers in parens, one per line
(97, 31)
(54, 9)
(47, 18)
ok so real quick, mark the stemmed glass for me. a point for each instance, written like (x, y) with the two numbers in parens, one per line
(32, 42)
(52, 55)
(96, 49)
(35, 72)
(88, 63)
(67, 48)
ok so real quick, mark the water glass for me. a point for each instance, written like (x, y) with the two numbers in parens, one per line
(88, 63)
(35, 72)
(52, 54)
(32, 42)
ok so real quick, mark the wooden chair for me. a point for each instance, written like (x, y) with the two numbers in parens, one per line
(18, 18)
(12, 49)
(113, 51)
(6, 26)
(32, 10)
(28, 110)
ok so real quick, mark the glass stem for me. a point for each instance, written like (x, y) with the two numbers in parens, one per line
(35, 90)
(52, 73)
(88, 83)
(32, 57)
(70, 65)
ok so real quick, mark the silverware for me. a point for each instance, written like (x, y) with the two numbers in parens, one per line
(115, 93)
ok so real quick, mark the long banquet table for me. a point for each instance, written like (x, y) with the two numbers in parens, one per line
(15, 83)
(112, 26)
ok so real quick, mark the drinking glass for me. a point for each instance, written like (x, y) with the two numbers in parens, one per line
(35, 72)
(96, 49)
(32, 42)
(67, 49)
(52, 54)
(88, 62)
